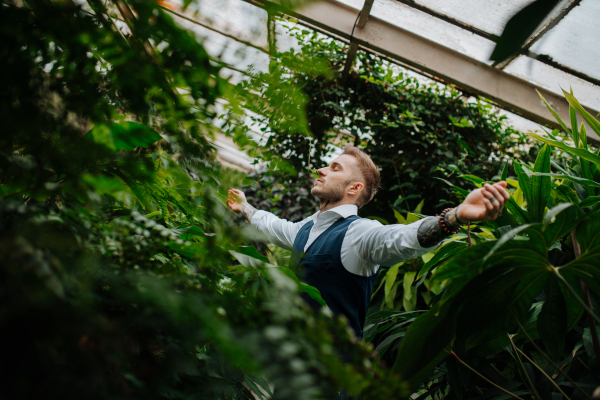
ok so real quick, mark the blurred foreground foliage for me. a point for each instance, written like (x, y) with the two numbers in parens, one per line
(118, 277)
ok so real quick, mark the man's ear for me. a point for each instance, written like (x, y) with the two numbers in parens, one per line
(356, 188)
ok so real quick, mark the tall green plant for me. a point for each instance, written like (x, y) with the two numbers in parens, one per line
(516, 291)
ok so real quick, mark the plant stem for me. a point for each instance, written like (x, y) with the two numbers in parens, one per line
(483, 377)
(547, 357)
(541, 370)
(537, 396)
(469, 235)
(588, 301)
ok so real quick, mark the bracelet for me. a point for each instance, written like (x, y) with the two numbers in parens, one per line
(442, 222)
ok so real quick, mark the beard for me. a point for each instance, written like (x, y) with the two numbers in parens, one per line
(330, 194)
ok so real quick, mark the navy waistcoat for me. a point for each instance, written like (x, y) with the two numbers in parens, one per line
(344, 292)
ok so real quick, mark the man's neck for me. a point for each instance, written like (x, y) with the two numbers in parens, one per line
(324, 206)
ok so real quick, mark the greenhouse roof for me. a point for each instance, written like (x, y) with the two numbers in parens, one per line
(451, 41)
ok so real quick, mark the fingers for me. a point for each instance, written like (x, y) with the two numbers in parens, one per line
(497, 196)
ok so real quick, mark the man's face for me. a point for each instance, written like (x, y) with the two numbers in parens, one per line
(334, 179)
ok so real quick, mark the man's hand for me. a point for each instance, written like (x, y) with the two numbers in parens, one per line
(484, 204)
(236, 200)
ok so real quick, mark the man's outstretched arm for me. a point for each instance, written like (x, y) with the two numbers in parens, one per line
(279, 231)
(483, 204)
(390, 244)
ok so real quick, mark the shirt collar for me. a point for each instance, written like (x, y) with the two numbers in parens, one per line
(344, 211)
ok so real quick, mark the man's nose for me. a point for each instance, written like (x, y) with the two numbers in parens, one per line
(321, 172)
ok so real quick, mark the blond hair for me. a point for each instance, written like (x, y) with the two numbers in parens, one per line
(369, 172)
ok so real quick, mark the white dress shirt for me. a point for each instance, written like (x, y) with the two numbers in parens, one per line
(367, 244)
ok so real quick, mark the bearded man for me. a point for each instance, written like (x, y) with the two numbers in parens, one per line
(343, 252)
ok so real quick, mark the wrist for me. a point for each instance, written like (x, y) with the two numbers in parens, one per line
(460, 217)
(449, 224)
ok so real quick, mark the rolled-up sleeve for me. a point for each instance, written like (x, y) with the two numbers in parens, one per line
(279, 231)
(387, 244)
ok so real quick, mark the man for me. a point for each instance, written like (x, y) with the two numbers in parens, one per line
(343, 252)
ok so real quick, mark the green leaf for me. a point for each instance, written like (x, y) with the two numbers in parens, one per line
(552, 321)
(556, 115)
(424, 342)
(390, 279)
(592, 122)
(524, 182)
(590, 202)
(190, 232)
(442, 254)
(254, 388)
(400, 218)
(475, 179)
(252, 252)
(410, 298)
(521, 216)
(574, 130)
(419, 206)
(505, 238)
(572, 178)
(583, 136)
(583, 153)
(123, 136)
(458, 189)
(411, 217)
(540, 185)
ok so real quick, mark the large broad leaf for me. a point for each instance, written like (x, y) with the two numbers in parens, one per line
(424, 342)
(552, 321)
(520, 27)
(540, 185)
(123, 136)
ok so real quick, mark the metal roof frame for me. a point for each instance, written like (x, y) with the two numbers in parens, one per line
(427, 57)
(447, 65)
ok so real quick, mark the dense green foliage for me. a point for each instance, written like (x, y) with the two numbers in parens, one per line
(410, 129)
(510, 309)
(117, 276)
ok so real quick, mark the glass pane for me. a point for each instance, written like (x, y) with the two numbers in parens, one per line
(488, 15)
(232, 17)
(553, 79)
(573, 42)
(226, 49)
(429, 27)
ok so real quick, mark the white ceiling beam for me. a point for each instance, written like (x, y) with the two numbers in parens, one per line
(509, 92)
